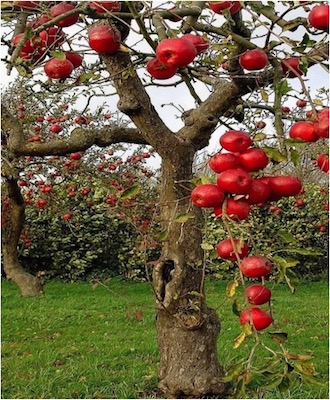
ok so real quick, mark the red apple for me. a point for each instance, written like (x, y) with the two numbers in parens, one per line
(56, 128)
(253, 60)
(301, 103)
(319, 17)
(256, 317)
(25, 5)
(260, 124)
(67, 216)
(175, 52)
(225, 249)
(258, 294)
(53, 37)
(198, 41)
(75, 156)
(75, 58)
(237, 210)
(104, 6)
(253, 159)
(235, 141)
(219, 6)
(258, 193)
(62, 8)
(36, 22)
(235, 181)
(85, 191)
(322, 127)
(42, 203)
(207, 195)
(300, 203)
(292, 62)
(284, 185)
(221, 162)
(104, 39)
(255, 266)
(81, 120)
(57, 69)
(323, 113)
(160, 71)
(304, 131)
(285, 110)
(323, 162)
(22, 182)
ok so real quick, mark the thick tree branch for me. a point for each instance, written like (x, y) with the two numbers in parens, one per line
(201, 122)
(79, 139)
(135, 103)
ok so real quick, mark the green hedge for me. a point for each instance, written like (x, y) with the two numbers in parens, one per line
(96, 243)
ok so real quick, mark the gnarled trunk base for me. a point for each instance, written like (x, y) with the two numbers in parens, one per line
(189, 366)
(28, 284)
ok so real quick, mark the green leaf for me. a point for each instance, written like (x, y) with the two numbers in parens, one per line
(306, 368)
(299, 357)
(264, 95)
(205, 180)
(274, 154)
(259, 136)
(293, 25)
(246, 329)
(6, 4)
(60, 55)
(130, 192)
(233, 372)
(284, 385)
(231, 288)
(315, 381)
(239, 340)
(273, 383)
(283, 87)
(86, 76)
(287, 236)
(182, 218)
(295, 157)
(196, 181)
(163, 235)
(236, 307)
(304, 252)
(294, 142)
(206, 246)
(23, 71)
(278, 336)
(291, 279)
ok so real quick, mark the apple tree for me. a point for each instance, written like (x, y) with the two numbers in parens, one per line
(227, 57)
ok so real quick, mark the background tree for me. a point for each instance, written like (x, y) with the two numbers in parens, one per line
(187, 329)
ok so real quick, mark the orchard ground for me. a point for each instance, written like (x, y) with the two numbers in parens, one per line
(76, 342)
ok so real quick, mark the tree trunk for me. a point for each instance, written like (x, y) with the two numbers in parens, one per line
(187, 330)
(28, 284)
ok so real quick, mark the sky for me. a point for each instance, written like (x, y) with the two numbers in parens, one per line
(316, 77)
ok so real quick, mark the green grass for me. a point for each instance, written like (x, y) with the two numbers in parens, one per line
(76, 342)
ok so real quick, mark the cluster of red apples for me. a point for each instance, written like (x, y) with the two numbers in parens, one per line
(171, 53)
(39, 46)
(311, 131)
(231, 198)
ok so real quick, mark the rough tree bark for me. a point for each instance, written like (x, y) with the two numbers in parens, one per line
(28, 284)
(187, 330)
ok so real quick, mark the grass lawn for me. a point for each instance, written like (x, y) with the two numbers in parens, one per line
(76, 342)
